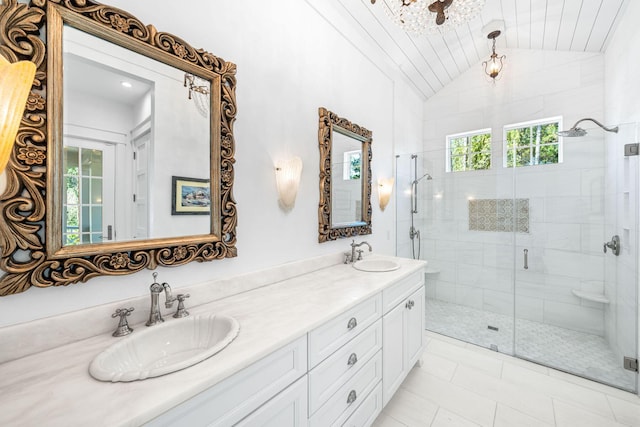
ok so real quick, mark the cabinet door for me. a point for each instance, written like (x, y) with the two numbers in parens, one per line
(414, 328)
(393, 351)
(286, 409)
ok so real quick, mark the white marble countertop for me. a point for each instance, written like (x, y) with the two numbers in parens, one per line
(54, 388)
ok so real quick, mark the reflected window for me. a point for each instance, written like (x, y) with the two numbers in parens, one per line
(352, 165)
(532, 143)
(82, 215)
(469, 151)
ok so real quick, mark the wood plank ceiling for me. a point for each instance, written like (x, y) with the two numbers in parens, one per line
(429, 62)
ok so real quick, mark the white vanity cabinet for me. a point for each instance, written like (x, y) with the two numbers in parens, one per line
(341, 373)
(233, 399)
(287, 409)
(402, 331)
(345, 362)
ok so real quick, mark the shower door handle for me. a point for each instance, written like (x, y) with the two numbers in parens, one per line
(526, 259)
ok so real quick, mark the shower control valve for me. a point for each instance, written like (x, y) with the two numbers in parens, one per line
(614, 245)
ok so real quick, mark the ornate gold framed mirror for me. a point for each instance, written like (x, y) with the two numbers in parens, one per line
(118, 111)
(345, 178)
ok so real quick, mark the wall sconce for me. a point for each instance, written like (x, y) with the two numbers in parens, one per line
(16, 80)
(288, 180)
(385, 188)
(494, 65)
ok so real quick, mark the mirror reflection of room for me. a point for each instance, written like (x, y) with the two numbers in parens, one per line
(124, 114)
(346, 179)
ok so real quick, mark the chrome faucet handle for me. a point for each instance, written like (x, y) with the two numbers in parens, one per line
(359, 254)
(181, 312)
(123, 326)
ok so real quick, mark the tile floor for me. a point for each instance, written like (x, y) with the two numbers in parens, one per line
(463, 385)
(587, 355)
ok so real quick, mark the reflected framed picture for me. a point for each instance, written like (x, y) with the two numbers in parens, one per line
(190, 196)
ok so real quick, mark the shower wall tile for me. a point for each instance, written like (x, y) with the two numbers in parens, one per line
(469, 296)
(564, 183)
(530, 289)
(498, 302)
(529, 308)
(428, 246)
(430, 289)
(403, 249)
(592, 238)
(446, 250)
(446, 291)
(561, 236)
(470, 253)
(578, 318)
(565, 210)
(498, 255)
(573, 264)
(447, 270)
(496, 279)
(469, 274)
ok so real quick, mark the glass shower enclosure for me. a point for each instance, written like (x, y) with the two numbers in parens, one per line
(539, 262)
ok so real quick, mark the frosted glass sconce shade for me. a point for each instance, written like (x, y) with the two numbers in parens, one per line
(15, 84)
(288, 180)
(385, 188)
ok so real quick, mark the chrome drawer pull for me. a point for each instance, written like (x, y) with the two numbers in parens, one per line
(352, 323)
(352, 397)
(353, 359)
(410, 304)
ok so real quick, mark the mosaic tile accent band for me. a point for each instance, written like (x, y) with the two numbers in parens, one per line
(498, 215)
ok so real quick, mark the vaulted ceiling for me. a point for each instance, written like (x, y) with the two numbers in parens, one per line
(430, 62)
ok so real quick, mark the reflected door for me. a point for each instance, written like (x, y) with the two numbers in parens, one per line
(89, 185)
(142, 147)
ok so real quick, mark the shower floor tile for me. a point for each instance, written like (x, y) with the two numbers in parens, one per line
(581, 354)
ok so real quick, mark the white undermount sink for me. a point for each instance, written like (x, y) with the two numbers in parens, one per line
(162, 349)
(376, 265)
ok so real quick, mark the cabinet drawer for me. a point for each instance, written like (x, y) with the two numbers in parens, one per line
(329, 337)
(329, 375)
(368, 410)
(347, 398)
(287, 409)
(236, 397)
(395, 294)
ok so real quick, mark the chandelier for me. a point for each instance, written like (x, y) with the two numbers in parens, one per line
(198, 92)
(494, 65)
(428, 16)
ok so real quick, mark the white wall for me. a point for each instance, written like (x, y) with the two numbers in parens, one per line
(622, 105)
(290, 62)
(565, 200)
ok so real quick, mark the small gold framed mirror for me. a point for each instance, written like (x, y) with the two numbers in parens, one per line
(345, 177)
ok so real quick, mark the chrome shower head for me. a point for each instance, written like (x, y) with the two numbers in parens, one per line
(426, 175)
(576, 131)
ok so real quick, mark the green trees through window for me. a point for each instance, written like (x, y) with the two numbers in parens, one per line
(525, 144)
(470, 151)
(532, 144)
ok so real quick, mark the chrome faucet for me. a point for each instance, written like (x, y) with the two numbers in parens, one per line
(355, 245)
(156, 288)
